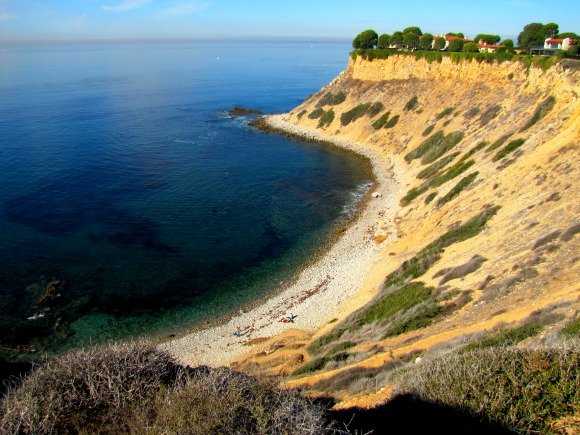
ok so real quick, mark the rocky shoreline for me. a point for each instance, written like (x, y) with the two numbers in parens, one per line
(323, 289)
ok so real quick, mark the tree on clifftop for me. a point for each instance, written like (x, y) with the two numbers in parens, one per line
(461, 35)
(425, 41)
(410, 40)
(550, 30)
(455, 45)
(470, 47)
(365, 39)
(397, 39)
(489, 39)
(384, 41)
(508, 43)
(439, 43)
(534, 34)
(413, 29)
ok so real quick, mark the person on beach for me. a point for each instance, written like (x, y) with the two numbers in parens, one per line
(291, 317)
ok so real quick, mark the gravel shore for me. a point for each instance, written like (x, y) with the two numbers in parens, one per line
(316, 295)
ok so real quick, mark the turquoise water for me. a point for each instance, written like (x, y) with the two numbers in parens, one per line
(130, 203)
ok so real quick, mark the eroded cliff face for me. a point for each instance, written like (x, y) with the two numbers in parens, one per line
(494, 142)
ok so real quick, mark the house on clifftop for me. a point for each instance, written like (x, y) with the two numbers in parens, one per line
(552, 45)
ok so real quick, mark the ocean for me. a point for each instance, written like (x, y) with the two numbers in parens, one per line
(131, 203)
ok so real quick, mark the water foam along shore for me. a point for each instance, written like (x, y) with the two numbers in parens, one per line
(324, 287)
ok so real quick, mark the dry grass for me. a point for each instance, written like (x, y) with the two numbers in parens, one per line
(226, 402)
(133, 388)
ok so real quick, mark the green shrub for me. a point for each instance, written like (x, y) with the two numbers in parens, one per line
(427, 144)
(434, 147)
(319, 363)
(341, 347)
(355, 113)
(506, 337)
(572, 329)
(401, 299)
(326, 119)
(437, 180)
(481, 145)
(316, 113)
(510, 147)
(428, 130)
(302, 113)
(381, 121)
(330, 99)
(430, 197)
(446, 112)
(412, 104)
(543, 62)
(311, 366)
(375, 108)
(321, 342)
(420, 319)
(525, 390)
(456, 190)
(470, 47)
(450, 173)
(371, 54)
(392, 122)
(439, 149)
(435, 167)
(542, 110)
(499, 142)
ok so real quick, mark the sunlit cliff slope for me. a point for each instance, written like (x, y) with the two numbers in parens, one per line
(486, 244)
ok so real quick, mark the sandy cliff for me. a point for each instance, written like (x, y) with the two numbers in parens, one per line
(485, 233)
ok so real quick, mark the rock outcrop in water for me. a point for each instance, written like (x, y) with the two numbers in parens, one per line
(243, 111)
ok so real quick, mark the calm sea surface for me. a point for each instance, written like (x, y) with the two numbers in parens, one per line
(131, 203)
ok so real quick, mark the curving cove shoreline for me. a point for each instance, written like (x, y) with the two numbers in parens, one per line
(324, 289)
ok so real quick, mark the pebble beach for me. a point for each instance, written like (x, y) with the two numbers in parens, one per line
(324, 287)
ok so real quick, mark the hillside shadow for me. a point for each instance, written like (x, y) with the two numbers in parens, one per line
(407, 414)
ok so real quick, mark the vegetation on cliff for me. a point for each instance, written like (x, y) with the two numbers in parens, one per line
(133, 388)
(482, 274)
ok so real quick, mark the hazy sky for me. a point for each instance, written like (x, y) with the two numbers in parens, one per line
(314, 19)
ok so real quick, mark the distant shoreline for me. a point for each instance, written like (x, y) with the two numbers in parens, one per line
(325, 284)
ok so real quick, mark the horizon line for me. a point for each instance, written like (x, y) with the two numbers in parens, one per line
(43, 41)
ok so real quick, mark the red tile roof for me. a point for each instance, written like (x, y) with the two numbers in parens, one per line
(452, 37)
(554, 40)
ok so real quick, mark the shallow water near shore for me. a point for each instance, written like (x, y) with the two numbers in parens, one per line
(132, 204)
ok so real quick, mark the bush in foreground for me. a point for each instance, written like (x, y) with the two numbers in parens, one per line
(526, 390)
(134, 388)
